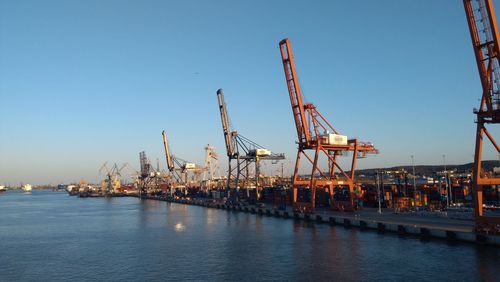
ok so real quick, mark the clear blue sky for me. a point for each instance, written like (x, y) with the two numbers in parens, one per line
(83, 82)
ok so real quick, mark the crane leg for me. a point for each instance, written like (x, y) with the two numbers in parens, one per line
(295, 186)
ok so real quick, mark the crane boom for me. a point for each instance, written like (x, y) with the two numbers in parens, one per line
(168, 156)
(299, 114)
(226, 127)
(105, 167)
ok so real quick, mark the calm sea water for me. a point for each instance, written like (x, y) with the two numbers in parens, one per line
(48, 236)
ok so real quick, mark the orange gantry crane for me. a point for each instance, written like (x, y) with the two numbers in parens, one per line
(484, 33)
(316, 134)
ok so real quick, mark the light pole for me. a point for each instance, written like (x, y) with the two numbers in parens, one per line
(414, 181)
(498, 186)
(446, 182)
(378, 192)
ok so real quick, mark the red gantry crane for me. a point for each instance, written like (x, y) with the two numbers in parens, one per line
(484, 33)
(316, 134)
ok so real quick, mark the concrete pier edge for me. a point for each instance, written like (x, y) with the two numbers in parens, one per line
(399, 228)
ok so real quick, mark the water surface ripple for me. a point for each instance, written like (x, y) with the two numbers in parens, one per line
(48, 236)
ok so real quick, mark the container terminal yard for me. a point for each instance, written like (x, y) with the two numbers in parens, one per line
(454, 202)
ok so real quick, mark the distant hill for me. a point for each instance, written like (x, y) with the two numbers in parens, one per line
(431, 169)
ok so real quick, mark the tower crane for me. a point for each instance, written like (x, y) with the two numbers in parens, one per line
(316, 134)
(484, 34)
(243, 152)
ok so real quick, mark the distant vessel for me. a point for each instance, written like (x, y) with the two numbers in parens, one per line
(27, 187)
(71, 188)
(2, 188)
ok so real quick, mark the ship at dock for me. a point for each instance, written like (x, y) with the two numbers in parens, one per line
(27, 187)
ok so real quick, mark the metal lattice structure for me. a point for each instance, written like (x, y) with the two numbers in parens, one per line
(316, 134)
(484, 33)
(178, 167)
(211, 172)
(112, 181)
(146, 175)
(244, 155)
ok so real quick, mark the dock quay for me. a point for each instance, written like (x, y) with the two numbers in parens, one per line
(403, 224)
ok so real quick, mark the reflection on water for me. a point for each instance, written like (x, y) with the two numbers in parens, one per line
(180, 227)
(50, 236)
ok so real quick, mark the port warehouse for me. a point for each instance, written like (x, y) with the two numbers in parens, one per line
(337, 187)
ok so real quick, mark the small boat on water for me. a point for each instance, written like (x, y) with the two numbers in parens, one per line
(27, 187)
(2, 188)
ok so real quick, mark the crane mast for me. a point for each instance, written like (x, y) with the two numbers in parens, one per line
(316, 134)
(483, 28)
